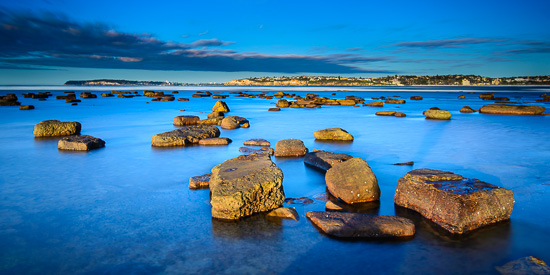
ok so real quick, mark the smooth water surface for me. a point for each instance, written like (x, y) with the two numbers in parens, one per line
(127, 208)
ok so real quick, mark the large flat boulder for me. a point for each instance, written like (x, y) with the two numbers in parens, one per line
(355, 225)
(51, 128)
(80, 143)
(352, 181)
(457, 204)
(507, 109)
(290, 148)
(185, 136)
(333, 134)
(325, 160)
(245, 185)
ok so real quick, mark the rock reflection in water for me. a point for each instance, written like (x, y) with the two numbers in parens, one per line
(253, 227)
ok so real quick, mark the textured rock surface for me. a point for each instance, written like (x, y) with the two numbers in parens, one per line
(437, 114)
(199, 182)
(524, 266)
(215, 141)
(325, 160)
(185, 136)
(354, 225)
(285, 213)
(459, 205)
(399, 114)
(220, 106)
(185, 120)
(80, 143)
(257, 142)
(353, 181)
(505, 109)
(375, 104)
(229, 123)
(282, 103)
(51, 128)
(26, 107)
(386, 113)
(394, 101)
(467, 109)
(245, 185)
(290, 148)
(333, 134)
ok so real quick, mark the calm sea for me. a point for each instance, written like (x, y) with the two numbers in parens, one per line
(127, 208)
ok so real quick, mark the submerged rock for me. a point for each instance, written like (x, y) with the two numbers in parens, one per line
(80, 143)
(524, 266)
(352, 181)
(51, 128)
(333, 134)
(274, 109)
(355, 225)
(437, 114)
(215, 141)
(26, 107)
(300, 200)
(245, 185)
(185, 136)
(199, 182)
(458, 205)
(325, 160)
(505, 109)
(257, 142)
(285, 213)
(385, 113)
(186, 120)
(290, 148)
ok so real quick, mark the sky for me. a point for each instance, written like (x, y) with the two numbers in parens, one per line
(48, 42)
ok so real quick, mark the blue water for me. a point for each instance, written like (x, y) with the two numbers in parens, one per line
(127, 208)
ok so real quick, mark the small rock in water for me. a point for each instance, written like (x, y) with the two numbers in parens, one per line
(375, 104)
(50, 128)
(300, 200)
(524, 266)
(437, 114)
(405, 163)
(257, 142)
(353, 181)
(333, 134)
(80, 143)
(467, 109)
(185, 120)
(285, 213)
(325, 160)
(199, 182)
(26, 107)
(185, 136)
(290, 148)
(215, 141)
(220, 106)
(386, 113)
(274, 109)
(503, 109)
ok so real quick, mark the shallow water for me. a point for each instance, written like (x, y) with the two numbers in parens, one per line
(127, 208)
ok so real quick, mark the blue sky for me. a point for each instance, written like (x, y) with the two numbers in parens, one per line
(50, 42)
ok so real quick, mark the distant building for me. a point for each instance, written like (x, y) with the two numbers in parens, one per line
(465, 82)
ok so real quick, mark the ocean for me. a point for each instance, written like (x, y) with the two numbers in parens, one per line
(127, 208)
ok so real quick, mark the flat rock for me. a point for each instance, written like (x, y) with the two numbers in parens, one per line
(385, 113)
(333, 134)
(245, 185)
(417, 97)
(394, 101)
(220, 106)
(506, 109)
(400, 114)
(437, 114)
(300, 200)
(325, 160)
(375, 104)
(26, 107)
(186, 120)
(467, 109)
(185, 136)
(216, 115)
(457, 204)
(215, 141)
(355, 225)
(80, 143)
(199, 182)
(257, 142)
(274, 109)
(346, 102)
(333, 206)
(211, 121)
(282, 103)
(285, 213)
(229, 123)
(405, 163)
(290, 148)
(352, 181)
(51, 128)
(524, 266)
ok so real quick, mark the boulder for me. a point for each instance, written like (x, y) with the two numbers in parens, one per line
(385, 113)
(257, 142)
(416, 97)
(285, 213)
(211, 121)
(215, 141)
(524, 266)
(186, 120)
(505, 109)
(87, 95)
(437, 114)
(290, 148)
(334, 206)
(487, 96)
(185, 136)
(333, 134)
(467, 109)
(282, 103)
(51, 128)
(216, 114)
(300, 200)
(394, 101)
(461, 97)
(220, 106)
(375, 104)
(107, 95)
(80, 143)
(9, 100)
(26, 107)
(245, 185)
(274, 109)
(355, 225)
(199, 182)
(400, 114)
(183, 99)
(346, 102)
(325, 160)
(352, 181)
(243, 122)
(457, 204)
(229, 123)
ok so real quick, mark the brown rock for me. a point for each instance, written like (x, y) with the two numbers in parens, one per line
(257, 142)
(333, 134)
(282, 103)
(183, 99)
(399, 114)
(325, 160)
(375, 104)
(80, 143)
(524, 266)
(199, 182)
(290, 148)
(333, 206)
(355, 225)
(385, 113)
(353, 181)
(405, 163)
(185, 120)
(26, 107)
(504, 109)
(229, 123)
(467, 109)
(461, 97)
(346, 102)
(394, 101)
(458, 205)
(211, 121)
(437, 114)
(216, 115)
(285, 213)
(300, 200)
(185, 136)
(50, 128)
(274, 109)
(487, 96)
(220, 106)
(215, 141)
(416, 97)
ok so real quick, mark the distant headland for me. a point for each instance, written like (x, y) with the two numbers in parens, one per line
(300, 81)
